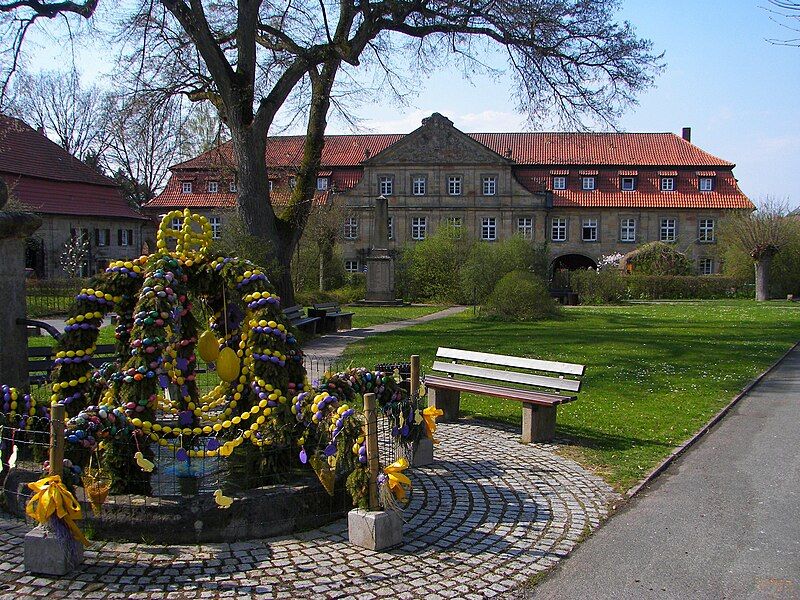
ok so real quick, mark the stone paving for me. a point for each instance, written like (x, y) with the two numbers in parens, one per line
(485, 517)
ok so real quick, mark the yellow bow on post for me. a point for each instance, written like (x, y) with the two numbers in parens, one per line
(52, 499)
(430, 414)
(395, 478)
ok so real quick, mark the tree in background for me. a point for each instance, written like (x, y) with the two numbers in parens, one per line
(74, 255)
(761, 236)
(202, 131)
(318, 264)
(787, 14)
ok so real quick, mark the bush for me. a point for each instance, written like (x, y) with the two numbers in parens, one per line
(608, 286)
(699, 287)
(520, 296)
(659, 258)
(429, 269)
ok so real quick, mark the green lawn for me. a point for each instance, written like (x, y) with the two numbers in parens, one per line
(655, 373)
(367, 316)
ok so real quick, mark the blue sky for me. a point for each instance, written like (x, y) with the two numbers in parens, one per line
(739, 93)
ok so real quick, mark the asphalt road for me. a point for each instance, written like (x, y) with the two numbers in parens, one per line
(723, 521)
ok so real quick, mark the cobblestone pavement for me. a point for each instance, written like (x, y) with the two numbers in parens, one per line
(485, 517)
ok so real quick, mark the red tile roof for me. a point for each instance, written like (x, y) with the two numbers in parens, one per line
(636, 199)
(172, 198)
(46, 178)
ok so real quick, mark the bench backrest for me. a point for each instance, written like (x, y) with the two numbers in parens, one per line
(527, 371)
(328, 307)
(294, 313)
(40, 358)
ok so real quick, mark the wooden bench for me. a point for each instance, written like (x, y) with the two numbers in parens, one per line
(538, 406)
(40, 361)
(333, 319)
(297, 318)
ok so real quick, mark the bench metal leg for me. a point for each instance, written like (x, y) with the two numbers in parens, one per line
(538, 423)
(346, 322)
(446, 400)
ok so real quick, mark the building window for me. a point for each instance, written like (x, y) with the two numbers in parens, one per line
(386, 185)
(589, 230)
(176, 223)
(559, 183)
(216, 227)
(79, 234)
(525, 227)
(292, 182)
(706, 184)
(668, 230)
(271, 184)
(454, 185)
(489, 229)
(558, 229)
(322, 183)
(628, 184)
(351, 228)
(418, 185)
(232, 187)
(213, 187)
(667, 184)
(706, 266)
(351, 266)
(706, 230)
(587, 183)
(390, 226)
(419, 226)
(627, 230)
(102, 237)
(125, 237)
(490, 186)
(186, 187)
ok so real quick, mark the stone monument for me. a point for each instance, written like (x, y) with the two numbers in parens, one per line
(15, 226)
(380, 262)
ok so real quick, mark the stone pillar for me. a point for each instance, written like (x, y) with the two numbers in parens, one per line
(380, 263)
(14, 228)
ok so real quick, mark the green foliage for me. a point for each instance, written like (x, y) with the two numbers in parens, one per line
(607, 286)
(520, 296)
(430, 268)
(358, 487)
(659, 258)
(697, 287)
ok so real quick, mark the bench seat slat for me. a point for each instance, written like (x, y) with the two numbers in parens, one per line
(511, 361)
(476, 387)
(571, 385)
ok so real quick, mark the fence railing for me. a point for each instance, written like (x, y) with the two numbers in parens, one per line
(47, 297)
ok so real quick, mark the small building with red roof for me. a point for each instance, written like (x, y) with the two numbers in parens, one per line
(71, 198)
(586, 194)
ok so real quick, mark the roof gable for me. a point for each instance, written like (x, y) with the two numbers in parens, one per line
(437, 141)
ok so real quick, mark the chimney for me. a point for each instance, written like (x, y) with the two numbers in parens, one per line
(366, 153)
(40, 129)
(508, 153)
(687, 134)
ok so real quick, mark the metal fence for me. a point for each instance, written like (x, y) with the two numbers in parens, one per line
(48, 297)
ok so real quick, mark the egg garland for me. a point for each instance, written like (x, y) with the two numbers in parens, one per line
(19, 407)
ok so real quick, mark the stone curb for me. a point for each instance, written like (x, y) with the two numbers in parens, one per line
(706, 428)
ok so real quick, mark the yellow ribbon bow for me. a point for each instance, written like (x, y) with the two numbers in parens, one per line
(395, 478)
(51, 498)
(430, 414)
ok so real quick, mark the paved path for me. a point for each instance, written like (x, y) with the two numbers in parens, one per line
(722, 522)
(485, 517)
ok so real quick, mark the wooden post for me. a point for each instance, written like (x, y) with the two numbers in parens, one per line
(372, 449)
(414, 375)
(58, 417)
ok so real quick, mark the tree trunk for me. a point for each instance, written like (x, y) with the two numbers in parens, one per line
(762, 276)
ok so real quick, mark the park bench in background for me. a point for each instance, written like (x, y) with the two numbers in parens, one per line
(538, 406)
(297, 318)
(333, 319)
(40, 361)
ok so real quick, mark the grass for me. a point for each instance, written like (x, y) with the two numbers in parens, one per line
(656, 373)
(367, 316)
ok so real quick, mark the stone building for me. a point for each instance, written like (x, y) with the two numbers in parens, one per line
(71, 198)
(587, 194)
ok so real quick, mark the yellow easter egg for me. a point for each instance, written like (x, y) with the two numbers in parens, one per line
(228, 365)
(208, 346)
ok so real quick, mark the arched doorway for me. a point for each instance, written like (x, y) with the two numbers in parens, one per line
(562, 265)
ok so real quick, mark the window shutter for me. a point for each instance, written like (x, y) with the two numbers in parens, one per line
(119, 237)
(96, 237)
(130, 237)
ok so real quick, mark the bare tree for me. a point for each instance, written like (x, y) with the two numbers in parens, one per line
(568, 57)
(70, 113)
(202, 130)
(786, 13)
(74, 255)
(761, 234)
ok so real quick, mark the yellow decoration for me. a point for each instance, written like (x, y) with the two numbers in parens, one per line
(429, 415)
(395, 478)
(52, 499)
(146, 465)
(208, 347)
(228, 365)
(222, 501)
(96, 484)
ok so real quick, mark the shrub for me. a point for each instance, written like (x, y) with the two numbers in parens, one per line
(606, 286)
(700, 287)
(658, 258)
(520, 296)
(430, 268)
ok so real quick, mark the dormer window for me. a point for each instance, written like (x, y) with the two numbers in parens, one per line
(559, 182)
(588, 183)
(667, 184)
(213, 187)
(271, 184)
(232, 187)
(186, 187)
(292, 182)
(706, 184)
(322, 183)
(627, 184)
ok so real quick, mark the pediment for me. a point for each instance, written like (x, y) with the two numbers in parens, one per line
(437, 141)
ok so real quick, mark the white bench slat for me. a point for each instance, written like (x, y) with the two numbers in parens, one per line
(511, 361)
(571, 385)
